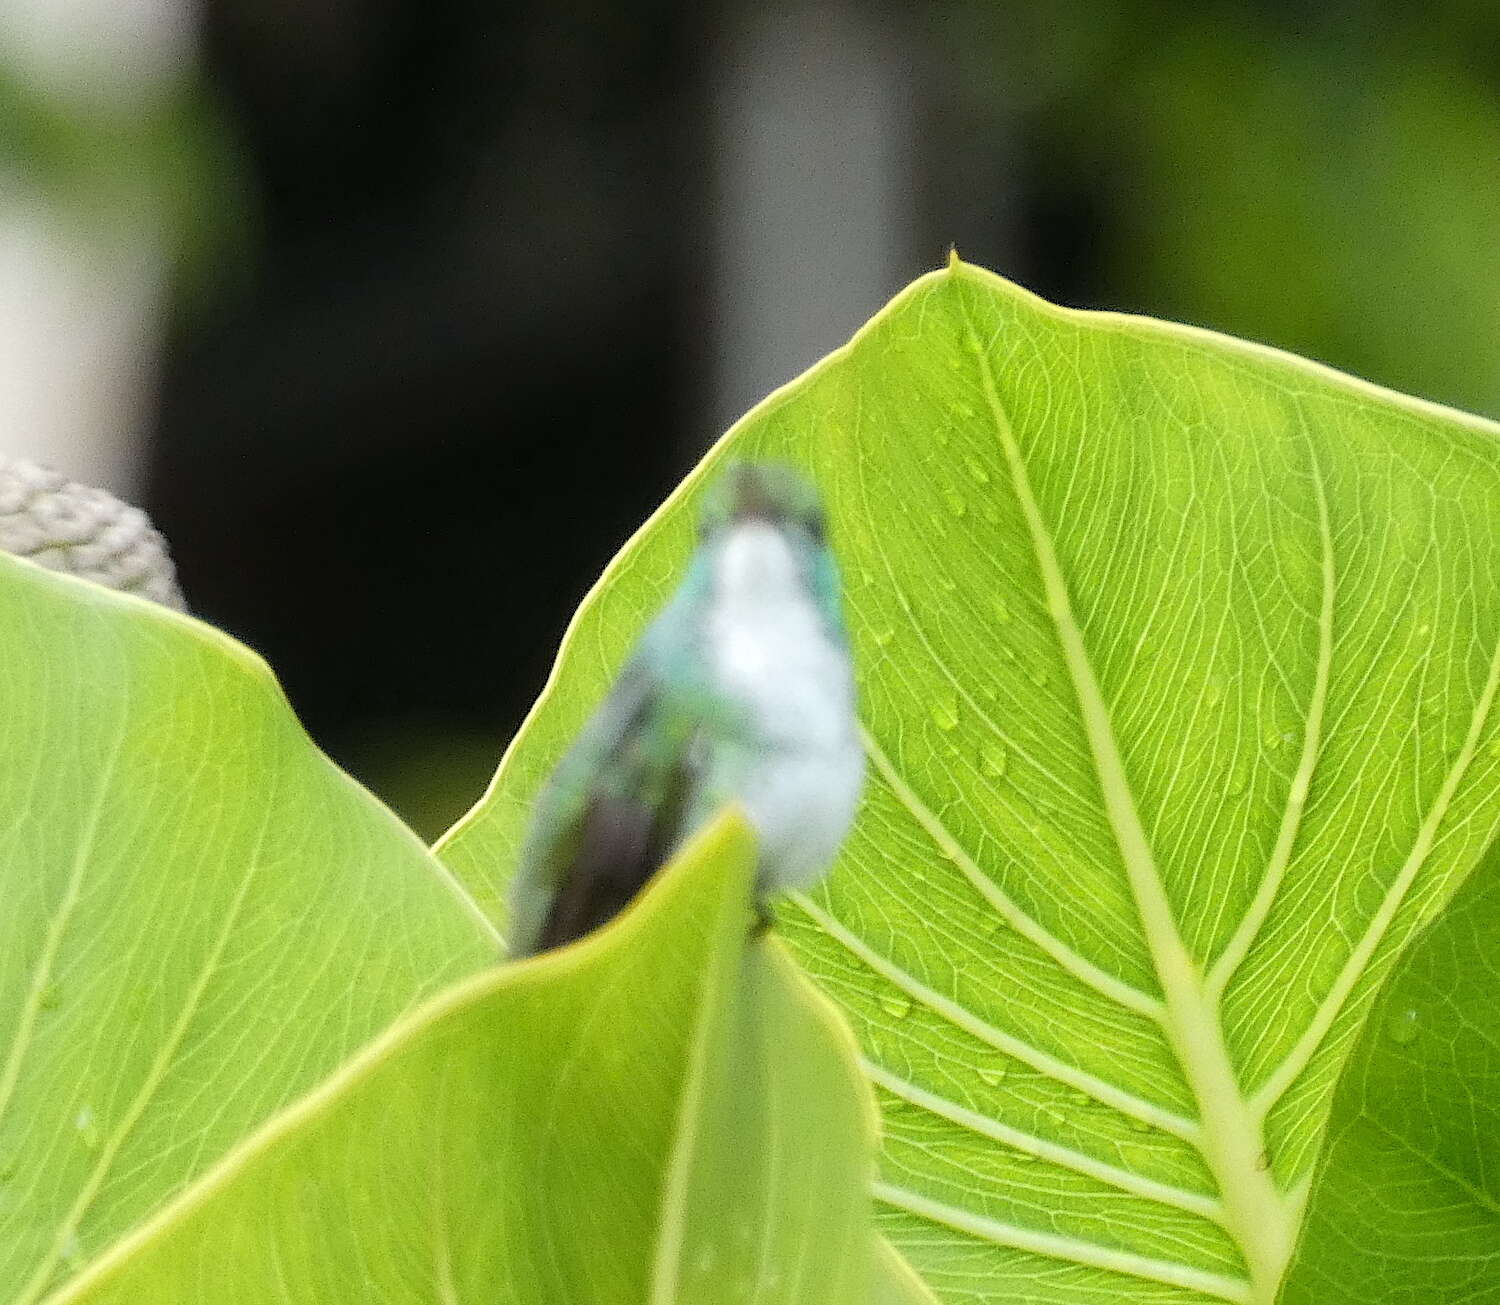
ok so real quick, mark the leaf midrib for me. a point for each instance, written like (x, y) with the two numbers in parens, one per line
(1230, 1135)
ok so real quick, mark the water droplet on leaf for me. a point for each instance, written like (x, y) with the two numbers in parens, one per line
(1001, 610)
(50, 997)
(88, 1127)
(993, 759)
(977, 469)
(1402, 1027)
(896, 1006)
(956, 505)
(945, 712)
(883, 637)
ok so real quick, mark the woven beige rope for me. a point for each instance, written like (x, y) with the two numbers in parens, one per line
(86, 532)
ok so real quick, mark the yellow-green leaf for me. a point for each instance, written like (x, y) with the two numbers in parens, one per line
(1178, 659)
(663, 1114)
(1405, 1205)
(202, 917)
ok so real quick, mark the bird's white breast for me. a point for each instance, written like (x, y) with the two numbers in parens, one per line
(773, 654)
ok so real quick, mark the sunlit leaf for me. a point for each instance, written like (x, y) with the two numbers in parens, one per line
(203, 918)
(663, 1114)
(1178, 660)
(1406, 1204)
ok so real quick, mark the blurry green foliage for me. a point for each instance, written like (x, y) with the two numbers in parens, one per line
(1320, 178)
(172, 157)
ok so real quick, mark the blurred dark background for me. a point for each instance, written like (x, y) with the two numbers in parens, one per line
(448, 296)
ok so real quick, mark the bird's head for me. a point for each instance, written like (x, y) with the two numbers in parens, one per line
(763, 524)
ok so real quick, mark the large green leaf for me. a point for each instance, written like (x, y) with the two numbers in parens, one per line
(1178, 660)
(1406, 1205)
(660, 1114)
(203, 918)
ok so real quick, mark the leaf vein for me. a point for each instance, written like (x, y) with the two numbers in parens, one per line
(1110, 1094)
(1073, 1250)
(1026, 925)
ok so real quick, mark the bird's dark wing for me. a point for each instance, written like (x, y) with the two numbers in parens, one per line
(611, 814)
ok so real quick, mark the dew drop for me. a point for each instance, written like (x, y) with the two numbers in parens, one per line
(88, 1127)
(1001, 609)
(956, 505)
(1237, 783)
(1402, 1027)
(72, 1250)
(977, 469)
(993, 760)
(896, 1006)
(882, 637)
(1271, 738)
(1212, 692)
(1424, 629)
(971, 343)
(992, 1075)
(945, 712)
(50, 997)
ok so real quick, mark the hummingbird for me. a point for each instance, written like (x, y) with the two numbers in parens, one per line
(740, 690)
